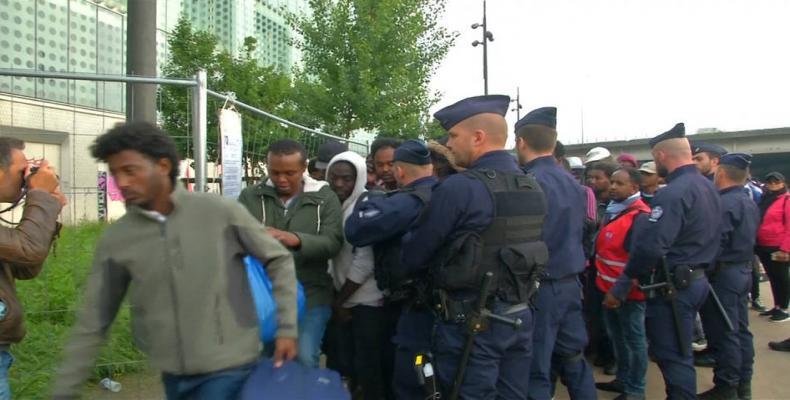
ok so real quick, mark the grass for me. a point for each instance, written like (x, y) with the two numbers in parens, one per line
(50, 301)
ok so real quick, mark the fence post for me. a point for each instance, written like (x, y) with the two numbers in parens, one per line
(199, 134)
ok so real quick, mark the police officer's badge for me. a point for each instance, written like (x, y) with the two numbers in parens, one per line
(656, 213)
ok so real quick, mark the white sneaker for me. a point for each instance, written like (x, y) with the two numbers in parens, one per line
(699, 345)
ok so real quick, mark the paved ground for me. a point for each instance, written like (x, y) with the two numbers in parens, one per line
(772, 368)
(771, 378)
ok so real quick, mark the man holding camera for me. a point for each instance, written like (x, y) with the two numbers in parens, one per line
(23, 248)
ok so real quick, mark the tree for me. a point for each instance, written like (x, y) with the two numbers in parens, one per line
(260, 86)
(367, 64)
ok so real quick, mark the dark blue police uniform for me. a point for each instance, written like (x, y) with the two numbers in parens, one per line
(378, 220)
(560, 334)
(501, 354)
(683, 228)
(461, 204)
(731, 278)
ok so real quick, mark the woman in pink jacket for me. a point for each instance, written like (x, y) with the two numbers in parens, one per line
(773, 243)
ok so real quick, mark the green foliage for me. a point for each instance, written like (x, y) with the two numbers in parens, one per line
(368, 63)
(260, 86)
(50, 301)
(434, 131)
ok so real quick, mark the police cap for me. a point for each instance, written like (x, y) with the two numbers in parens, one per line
(677, 132)
(702, 147)
(546, 116)
(413, 152)
(451, 115)
(737, 160)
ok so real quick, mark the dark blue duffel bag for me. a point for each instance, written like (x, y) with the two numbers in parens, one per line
(293, 381)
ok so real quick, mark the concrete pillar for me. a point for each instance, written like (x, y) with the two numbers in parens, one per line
(141, 59)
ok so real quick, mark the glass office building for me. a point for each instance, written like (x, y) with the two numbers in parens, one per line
(66, 36)
(233, 20)
(90, 36)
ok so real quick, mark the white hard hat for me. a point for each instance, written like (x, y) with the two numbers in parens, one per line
(575, 163)
(596, 154)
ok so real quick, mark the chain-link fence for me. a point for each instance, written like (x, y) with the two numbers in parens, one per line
(62, 132)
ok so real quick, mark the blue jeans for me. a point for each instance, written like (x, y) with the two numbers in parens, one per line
(312, 327)
(220, 385)
(626, 328)
(311, 332)
(6, 359)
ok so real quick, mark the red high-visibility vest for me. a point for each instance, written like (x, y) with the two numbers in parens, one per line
(611, 256)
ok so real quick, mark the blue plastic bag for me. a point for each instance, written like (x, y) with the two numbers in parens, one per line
(261, 288)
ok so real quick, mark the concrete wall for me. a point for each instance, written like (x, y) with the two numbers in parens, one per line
(61, 134)
(765, 141)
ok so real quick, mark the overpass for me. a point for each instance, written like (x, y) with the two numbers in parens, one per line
(770, 147)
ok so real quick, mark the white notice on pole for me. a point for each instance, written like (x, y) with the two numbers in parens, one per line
(230, 139)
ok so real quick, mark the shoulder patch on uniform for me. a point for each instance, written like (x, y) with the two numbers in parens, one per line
(656, 213)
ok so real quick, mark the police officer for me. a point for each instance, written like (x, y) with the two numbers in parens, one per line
(707, 156)
(732, 347)
(381, 221)
(486, 219)
(682, 230)
(560, 334)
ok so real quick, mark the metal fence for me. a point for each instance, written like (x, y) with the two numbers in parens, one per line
(65, 131)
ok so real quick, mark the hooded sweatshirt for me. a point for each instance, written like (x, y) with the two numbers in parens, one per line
(355, 263)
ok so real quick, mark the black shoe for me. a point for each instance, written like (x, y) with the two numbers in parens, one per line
(610, 369)
(629, 397)
(614, 386)
(780, 316)
(757, 305)
(783, 345)
(745, 390)
(719, 392)
(599, 362)
(704, 361)
(769, 313)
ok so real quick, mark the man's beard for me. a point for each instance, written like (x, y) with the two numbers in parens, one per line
(662, 171)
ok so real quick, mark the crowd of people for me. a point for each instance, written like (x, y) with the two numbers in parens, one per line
(447, 269)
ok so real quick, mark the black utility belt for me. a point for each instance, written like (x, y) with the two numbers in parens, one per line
(458, 310)
(564, 279)
(729, 264)
(682, 276)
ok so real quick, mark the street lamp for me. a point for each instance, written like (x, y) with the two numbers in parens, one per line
(518, 107)
(487, 37)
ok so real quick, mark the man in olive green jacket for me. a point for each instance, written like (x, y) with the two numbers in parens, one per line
(305, 216)
(179, 256)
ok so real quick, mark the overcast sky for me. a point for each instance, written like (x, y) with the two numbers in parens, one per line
(632, 68)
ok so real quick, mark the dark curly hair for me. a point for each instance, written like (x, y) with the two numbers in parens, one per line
(286, 147)
(383, 143)
(142, 137)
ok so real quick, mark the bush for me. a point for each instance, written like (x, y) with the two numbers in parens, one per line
(50, 301)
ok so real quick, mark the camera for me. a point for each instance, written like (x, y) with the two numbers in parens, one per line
(33, 170)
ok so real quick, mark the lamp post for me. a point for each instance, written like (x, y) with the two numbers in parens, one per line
(518, 107)
(487, 37)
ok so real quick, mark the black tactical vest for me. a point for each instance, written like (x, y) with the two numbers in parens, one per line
(389, 274)
(511, 247)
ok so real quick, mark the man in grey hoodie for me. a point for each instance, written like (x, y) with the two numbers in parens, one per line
(359, 300)
(178, 255)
